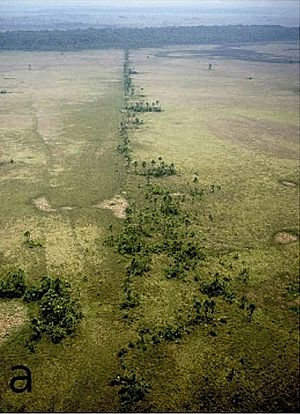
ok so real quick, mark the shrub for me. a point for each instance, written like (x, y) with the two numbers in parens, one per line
(58, 314)
(30, 242)
(131, 300)
(204, 312)
(133, 389)
(14, 285)
(36, 292)
(218, 287)
(138, 266)
(157, 168)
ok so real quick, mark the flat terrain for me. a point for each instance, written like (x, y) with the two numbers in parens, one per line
(59, 124)
(234, 127)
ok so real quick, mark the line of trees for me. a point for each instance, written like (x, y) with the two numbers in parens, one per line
(132, 121)
(121, 38)
(144, 106)
(160, 228)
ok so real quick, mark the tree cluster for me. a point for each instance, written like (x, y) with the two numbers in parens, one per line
(154, 168)
(144, 106)
(133, 389)
(218, 287)
(13, 286)
(160, 228)
(58, 314)
(130, 120)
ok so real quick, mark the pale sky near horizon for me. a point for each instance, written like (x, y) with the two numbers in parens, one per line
(209, 3)
(283, 12)
(288, 4)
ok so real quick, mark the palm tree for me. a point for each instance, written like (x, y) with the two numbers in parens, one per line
(135, 164)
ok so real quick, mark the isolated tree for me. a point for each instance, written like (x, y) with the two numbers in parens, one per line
(135, 164)
(250, 310)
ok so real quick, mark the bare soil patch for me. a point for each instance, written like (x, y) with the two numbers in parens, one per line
(12, 315)
(42, 203)
(67, 208)
(258, 134)
(284, 237)
(118, 205)
(15, 121)
(288, 183)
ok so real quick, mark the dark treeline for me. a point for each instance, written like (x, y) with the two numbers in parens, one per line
(141, 38)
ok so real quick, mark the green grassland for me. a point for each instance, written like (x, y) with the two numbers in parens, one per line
(60, 127)
(64, 117)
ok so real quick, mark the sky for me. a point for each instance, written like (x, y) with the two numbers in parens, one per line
(51, 14)
(210, 3)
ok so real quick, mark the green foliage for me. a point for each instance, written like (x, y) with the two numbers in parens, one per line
(204, 311)
(184, 254)
(175, 270)
(58, 314)
(293, 289)
(120, 38)
(157, 168)
(133, 389)
(131, 298)
(36, 292)
(13, 286)
(188, 253)
(30, 242)
(295, 310)
(139, 265)
(218, 287)
(142, 106)
(169, 207)
(248, 307)
(154, 189)
(129, 241)
(169, 334)
(244, 275)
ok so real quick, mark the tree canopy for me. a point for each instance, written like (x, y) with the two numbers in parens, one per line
(134, 38)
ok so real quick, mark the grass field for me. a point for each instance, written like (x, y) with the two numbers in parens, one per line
(59, 126)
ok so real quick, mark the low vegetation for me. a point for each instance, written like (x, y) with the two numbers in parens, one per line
(189, 290)
(13, 286)
(133, 389)
(58, 314)
(161, 229)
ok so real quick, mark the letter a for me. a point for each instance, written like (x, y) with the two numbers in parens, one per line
(26, 378)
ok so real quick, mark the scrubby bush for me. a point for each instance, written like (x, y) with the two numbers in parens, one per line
(133, 389)
(13, 286)
(204, 311)
(58, 314)
(157, 168)
(31, 243)
(139, 265)
(131, 300)
(36, 292)
(218, 287)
